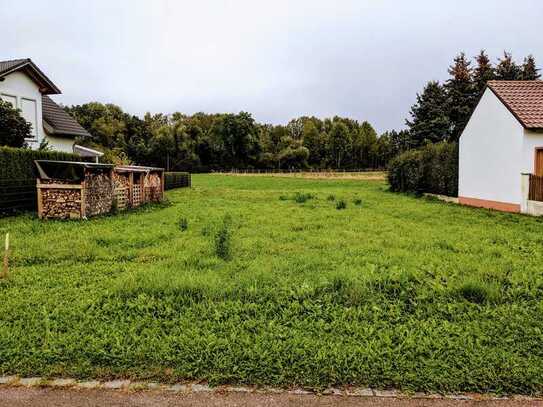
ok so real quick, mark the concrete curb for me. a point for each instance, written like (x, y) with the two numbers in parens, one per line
(132, 386)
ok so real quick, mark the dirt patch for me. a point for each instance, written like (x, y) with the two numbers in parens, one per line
(46, 397)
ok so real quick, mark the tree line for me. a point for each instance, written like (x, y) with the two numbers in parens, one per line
(203, 142)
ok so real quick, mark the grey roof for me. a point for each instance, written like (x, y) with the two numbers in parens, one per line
(69, 170)
(136, 168)
(6, 66)
(75, 163)
(47, 87)
(62, 123)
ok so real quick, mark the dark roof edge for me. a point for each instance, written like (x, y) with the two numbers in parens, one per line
(28, 62)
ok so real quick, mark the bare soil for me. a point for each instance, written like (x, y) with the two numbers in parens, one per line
(50, 397)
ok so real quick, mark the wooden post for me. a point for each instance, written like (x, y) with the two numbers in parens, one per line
(162, 178)
(5, 268)
(83, 203)
(40, 199)
(131, 189)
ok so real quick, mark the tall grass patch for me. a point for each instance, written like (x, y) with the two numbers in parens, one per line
(406, 293)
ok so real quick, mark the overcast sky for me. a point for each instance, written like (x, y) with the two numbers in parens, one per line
(277, 59)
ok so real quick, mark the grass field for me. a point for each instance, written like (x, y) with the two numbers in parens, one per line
(389, 291)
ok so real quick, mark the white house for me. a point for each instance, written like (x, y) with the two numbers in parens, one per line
(27, 88)
(501, 146)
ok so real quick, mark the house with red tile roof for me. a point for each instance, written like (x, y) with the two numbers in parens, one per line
(28, 89)
(501, 149)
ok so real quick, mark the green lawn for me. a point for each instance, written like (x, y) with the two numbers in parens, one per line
(396, 291)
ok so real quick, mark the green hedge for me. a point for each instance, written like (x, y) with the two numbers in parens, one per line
(177, 180)
(432, 169)
(18, 163)
(18, 176)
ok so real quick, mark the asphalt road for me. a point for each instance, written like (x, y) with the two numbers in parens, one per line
(49, 397)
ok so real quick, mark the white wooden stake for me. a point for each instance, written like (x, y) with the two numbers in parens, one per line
(6, 258)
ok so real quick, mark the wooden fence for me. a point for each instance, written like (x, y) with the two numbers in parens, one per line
(17, 195)
(296, 170)
(536, 188)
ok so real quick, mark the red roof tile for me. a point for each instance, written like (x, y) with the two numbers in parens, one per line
(524, 99)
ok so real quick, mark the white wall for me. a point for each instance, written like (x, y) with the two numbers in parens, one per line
(491, 153)
(532, 140)
(20, 88)
(60, 143)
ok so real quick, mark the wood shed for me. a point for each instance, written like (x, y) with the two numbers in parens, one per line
(77, 190)
(73, 190)
(135, 185)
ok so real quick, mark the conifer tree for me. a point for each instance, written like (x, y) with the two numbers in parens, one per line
(461, 95)
(507, 69)
(529, 69)
(483, 73)
(429, 121)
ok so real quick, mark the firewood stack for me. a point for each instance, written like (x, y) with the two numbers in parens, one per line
(98, 193)
(61, 203)
(153, 188)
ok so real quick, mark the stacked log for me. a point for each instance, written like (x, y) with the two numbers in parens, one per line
(153, 188)
(121, 182)
(61, 203)
(98, 193)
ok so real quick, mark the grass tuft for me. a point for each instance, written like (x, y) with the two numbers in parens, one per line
(480, 292)
(183, 224)
(223, 239)
(302, 197)
(341, 204)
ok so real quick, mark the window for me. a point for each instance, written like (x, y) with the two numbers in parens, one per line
(9, 98)
(29, 112)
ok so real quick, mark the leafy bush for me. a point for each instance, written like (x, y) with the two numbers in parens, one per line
(114, 206)
(433, 169)
(13, 127)
(223, 237)
(341, 204)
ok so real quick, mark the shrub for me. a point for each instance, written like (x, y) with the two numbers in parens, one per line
(357, 201)
(331, 198)
(183, 224)
(433, 169)
(341, 204)
(223, 237)
(114, 206)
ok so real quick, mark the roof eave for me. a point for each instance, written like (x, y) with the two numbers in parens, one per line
(49, 89)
